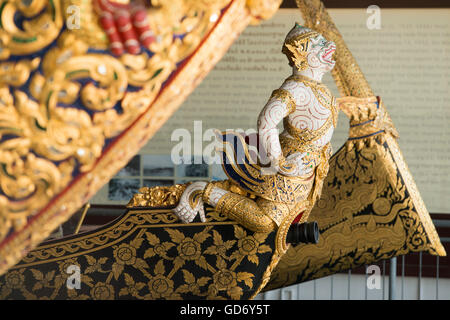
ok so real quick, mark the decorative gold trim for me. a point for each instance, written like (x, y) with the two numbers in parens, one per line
(436, 246)
(157, 196)
(207, 192)
(267, 273)
(285, 97)
(280, 245)
(114, 233)
(296, 47)
(218, 259)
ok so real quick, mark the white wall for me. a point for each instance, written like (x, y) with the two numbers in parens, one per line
(320, 289)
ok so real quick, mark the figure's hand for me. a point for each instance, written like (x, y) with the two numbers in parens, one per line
(191, 203)
(297, 164)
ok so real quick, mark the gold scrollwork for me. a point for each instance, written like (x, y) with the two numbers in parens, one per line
(76, 99)
(157, 196)
(36, 33)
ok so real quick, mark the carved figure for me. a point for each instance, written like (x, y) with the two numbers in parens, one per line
(260, 198)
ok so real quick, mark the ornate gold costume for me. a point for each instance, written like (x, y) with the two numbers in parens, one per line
(285, 97)
(278, 199)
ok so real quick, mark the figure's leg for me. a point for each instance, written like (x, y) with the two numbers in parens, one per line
(237, 207)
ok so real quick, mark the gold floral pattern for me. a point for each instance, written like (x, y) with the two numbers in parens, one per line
(124, 254)
(219, 247)
(160, 286)
(102, 291)
(157, 247)
(132, 288)
(148, 254)
(192, 284)
(14, 279)
(250, 245)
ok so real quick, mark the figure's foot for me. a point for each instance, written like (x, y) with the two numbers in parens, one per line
(191, 203)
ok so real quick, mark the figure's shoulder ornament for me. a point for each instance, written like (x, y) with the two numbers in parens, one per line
(286, 97)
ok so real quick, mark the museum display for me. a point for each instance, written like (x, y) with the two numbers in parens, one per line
(78, 103)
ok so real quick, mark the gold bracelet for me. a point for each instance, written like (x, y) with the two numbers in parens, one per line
(207, 192)
(221, 203)
(279, 161)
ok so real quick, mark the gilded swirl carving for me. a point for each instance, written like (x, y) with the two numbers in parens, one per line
(35, 33)
(72, 114)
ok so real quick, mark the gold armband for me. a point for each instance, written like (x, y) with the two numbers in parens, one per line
(285, 97)
(246, 212)
(207, 192)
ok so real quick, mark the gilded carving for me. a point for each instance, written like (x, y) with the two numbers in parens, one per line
(298, 157)
(60, 126)
(370, 208)
(85, 112)
(147, 255)
(157, 196)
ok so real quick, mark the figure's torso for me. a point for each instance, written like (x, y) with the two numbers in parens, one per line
(314, 116)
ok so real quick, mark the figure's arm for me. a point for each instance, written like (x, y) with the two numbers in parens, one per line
(309, 114)
(279, 106)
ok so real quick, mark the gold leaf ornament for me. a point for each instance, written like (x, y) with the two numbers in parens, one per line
(14, 280)
(157, 248)
(246, 277)
(125, 254)
(297, 56)
(219, 247)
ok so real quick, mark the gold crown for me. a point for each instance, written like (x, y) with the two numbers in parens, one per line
(296, 46)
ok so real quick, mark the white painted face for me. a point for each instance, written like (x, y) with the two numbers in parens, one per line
(320, 54)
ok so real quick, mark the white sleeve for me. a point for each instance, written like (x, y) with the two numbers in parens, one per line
(279, 106)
